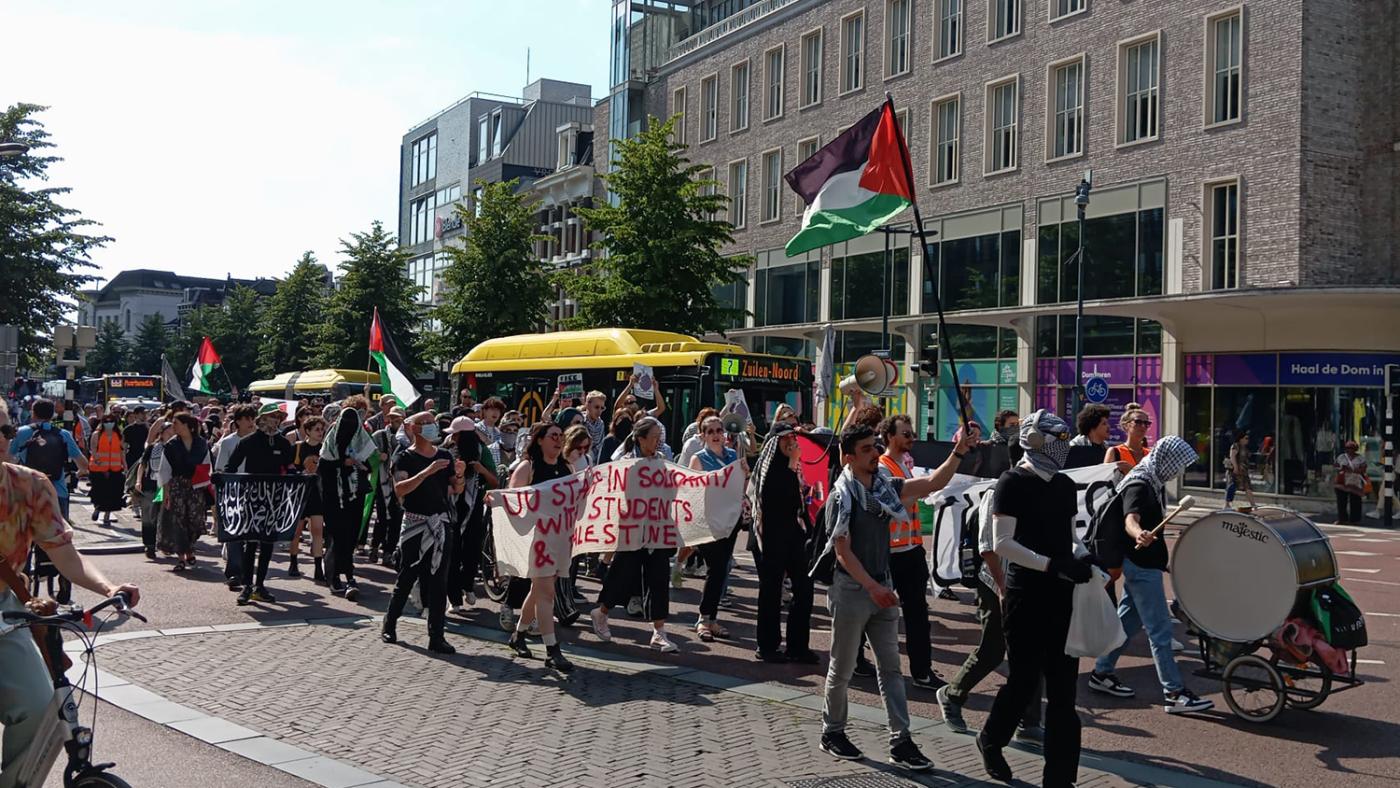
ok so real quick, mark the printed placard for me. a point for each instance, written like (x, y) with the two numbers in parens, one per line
(571, 386)
(645, 387)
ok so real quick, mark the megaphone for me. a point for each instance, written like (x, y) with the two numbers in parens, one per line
(733, 423)
(874, 375)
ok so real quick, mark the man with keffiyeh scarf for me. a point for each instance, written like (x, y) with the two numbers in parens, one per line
(861, 597)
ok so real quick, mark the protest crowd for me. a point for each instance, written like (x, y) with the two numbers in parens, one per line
(415, 489)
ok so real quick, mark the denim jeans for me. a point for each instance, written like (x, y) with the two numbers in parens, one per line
(854, 613)
(1144, 606)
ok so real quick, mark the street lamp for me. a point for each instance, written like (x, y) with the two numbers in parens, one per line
(1081, 202)
(10, 150)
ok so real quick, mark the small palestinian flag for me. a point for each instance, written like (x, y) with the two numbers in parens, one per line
(202, 371)
(854, 184)
(393, 379)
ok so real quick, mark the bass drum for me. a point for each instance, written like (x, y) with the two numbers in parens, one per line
(1238, 576)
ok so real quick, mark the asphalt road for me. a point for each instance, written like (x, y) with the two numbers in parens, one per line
(1351, 737)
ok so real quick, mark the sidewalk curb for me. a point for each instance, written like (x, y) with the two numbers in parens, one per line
(331, 773)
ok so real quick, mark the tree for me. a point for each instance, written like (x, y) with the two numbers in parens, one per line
(374, 274)
(147, 345)
(294, 311)
(109, 354)
(662, 242)
(238, 334)
(42, 243)
(494, 285)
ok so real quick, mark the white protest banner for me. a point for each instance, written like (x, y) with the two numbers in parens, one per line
(571, 385)
(956, 503)
(645, 387)
(625, 505)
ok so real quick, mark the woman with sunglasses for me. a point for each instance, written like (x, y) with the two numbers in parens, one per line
(578, 448)
(1134, 423)
(719, 554)
(544, 462)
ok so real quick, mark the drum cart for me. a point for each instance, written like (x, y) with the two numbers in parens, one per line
(1238, 578)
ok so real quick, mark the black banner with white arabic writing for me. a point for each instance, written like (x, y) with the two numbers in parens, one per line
(258, 506)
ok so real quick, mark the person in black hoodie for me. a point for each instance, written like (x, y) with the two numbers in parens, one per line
(265, 452)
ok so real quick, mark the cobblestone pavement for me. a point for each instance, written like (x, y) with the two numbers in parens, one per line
(484, 718)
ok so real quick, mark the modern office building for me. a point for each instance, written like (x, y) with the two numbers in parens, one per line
(1241, 268)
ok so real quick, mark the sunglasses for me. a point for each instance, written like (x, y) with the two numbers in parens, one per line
(715, 431)
(1143, 422)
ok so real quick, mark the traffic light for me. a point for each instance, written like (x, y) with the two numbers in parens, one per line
(929, 363)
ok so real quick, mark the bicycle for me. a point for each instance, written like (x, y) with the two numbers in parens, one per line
(61, 725)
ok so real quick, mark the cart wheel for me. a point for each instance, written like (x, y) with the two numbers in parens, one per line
(1253, 689)
(1302, 687)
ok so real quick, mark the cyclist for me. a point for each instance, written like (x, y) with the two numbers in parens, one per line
(30, 513)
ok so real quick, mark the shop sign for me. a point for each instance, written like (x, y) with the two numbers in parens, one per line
(1334, 369)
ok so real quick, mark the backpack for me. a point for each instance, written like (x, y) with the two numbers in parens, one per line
(969, 546)
(1338, 617)
(1106, 536)
(822, 562)
(47, 452)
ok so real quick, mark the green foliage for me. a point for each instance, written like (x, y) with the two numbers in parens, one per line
(662, 244)
(237, 335)
(42, 244)
(291, 315)
(374, 273)
(109, 354)
(495, 285)
(147, 345)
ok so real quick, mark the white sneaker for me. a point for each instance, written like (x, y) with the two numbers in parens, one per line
(507, 618)
(471, 599)
(634, 606)
(458, 610)
(661, 643)
(1178, 646)
(1185, 702)
(600, 624)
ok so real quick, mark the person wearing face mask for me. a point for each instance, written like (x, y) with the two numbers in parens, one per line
(106, 469)
(425, 479)
(386, 529)
(344, 484)
(468, 526)
(1034, 506)
(265, 452)
(1006, 435)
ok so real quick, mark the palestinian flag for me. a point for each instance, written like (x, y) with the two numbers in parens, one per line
(202, 371)
(854, 184)
(392, 377)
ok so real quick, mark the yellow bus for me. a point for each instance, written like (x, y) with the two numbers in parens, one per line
(526, 370)
(331, 384)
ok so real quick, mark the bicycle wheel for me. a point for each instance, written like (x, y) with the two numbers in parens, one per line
(1303, 688)
(1253, 689)
(96, 778)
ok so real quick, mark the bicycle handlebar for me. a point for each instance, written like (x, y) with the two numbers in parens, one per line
(75, 614)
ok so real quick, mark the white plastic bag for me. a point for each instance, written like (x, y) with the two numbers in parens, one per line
(1094, 628)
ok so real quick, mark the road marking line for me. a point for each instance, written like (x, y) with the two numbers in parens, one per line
(1354, 569)
(1357, 553)
(1370, 662)
(1387, 615)
(1377, 582)
(1373, 541)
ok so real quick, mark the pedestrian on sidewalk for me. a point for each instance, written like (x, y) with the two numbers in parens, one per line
(48, 449)
(719, 554)
(1034, 507)
(106, 469)
(147, 485)
(861, 597)
(184, 480)
(346, 449)
(306, 459)
(425, 478)
(779, 543)
(243, 417)
(264, 453)
(544, 463)
(1350, 484)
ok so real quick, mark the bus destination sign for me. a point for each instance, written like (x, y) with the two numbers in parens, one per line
(760, 370)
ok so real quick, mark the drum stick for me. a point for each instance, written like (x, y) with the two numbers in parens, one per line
(1185, 503)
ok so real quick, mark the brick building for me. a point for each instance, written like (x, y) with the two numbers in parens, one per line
(1241, 235)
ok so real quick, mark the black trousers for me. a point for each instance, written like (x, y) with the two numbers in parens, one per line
(1348, 507)
(388, 513)
(909, 573)
(717, 555)
(1036, 623)
(341, 530)
(417, 568)
(653, 569)
(471, 544)
(988, 654)
(261, 552)
(783, 556)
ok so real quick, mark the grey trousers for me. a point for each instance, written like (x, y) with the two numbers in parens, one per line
(854, 613)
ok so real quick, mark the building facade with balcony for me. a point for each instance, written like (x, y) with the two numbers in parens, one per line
(131, 296)
(1241, 269)
(565, 242)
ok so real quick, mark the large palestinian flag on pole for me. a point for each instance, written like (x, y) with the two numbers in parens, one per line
(202, 370)
(393, 379)
(854, 184)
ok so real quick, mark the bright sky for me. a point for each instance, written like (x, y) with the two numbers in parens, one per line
(223, 136)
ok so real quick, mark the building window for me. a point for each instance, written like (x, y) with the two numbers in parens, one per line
(788, 293)
(773, 83)
(949, 28)
(859, 281)
(812, 68)
(945, 123)
(1138, 80)
(1003, 19)
(853, 52)
(1225, 235)
(495, 135)
(424, 160)
(476, 201)
(897, 24)
(807, 148)
(1002, 113)
(483, 139)
(420, 213)
(1060, 9)
(706, 177)
(772, 186)
(739, 96)
(1067, 119)
(709, 108)
(1125, 249)
(1225, 67)
(738, 193)
(678, 111)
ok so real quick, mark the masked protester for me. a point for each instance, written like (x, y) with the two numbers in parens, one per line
(107, 469)
(346, 449)
(1033, 511)
(265, 452)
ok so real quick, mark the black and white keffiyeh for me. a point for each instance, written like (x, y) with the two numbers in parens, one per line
(1168, 459)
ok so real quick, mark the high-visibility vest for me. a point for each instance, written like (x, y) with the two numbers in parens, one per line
(903, 532)
(106, 452)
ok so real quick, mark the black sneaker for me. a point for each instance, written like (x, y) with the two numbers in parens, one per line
(1030, 735)
(245, 596)
(234, 585)
(1108, 684)
(774, 657)
(555, 659)
(838, 746)
(863, 668)
(1185, 702)
(906, 755)
(518, 645)
(952, 711)
(948, 595)
(932, 681)
(352, 591)
(440, 646)
(993, 761)
(807, 657)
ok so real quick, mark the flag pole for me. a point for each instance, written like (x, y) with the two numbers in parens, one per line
(929, 274)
